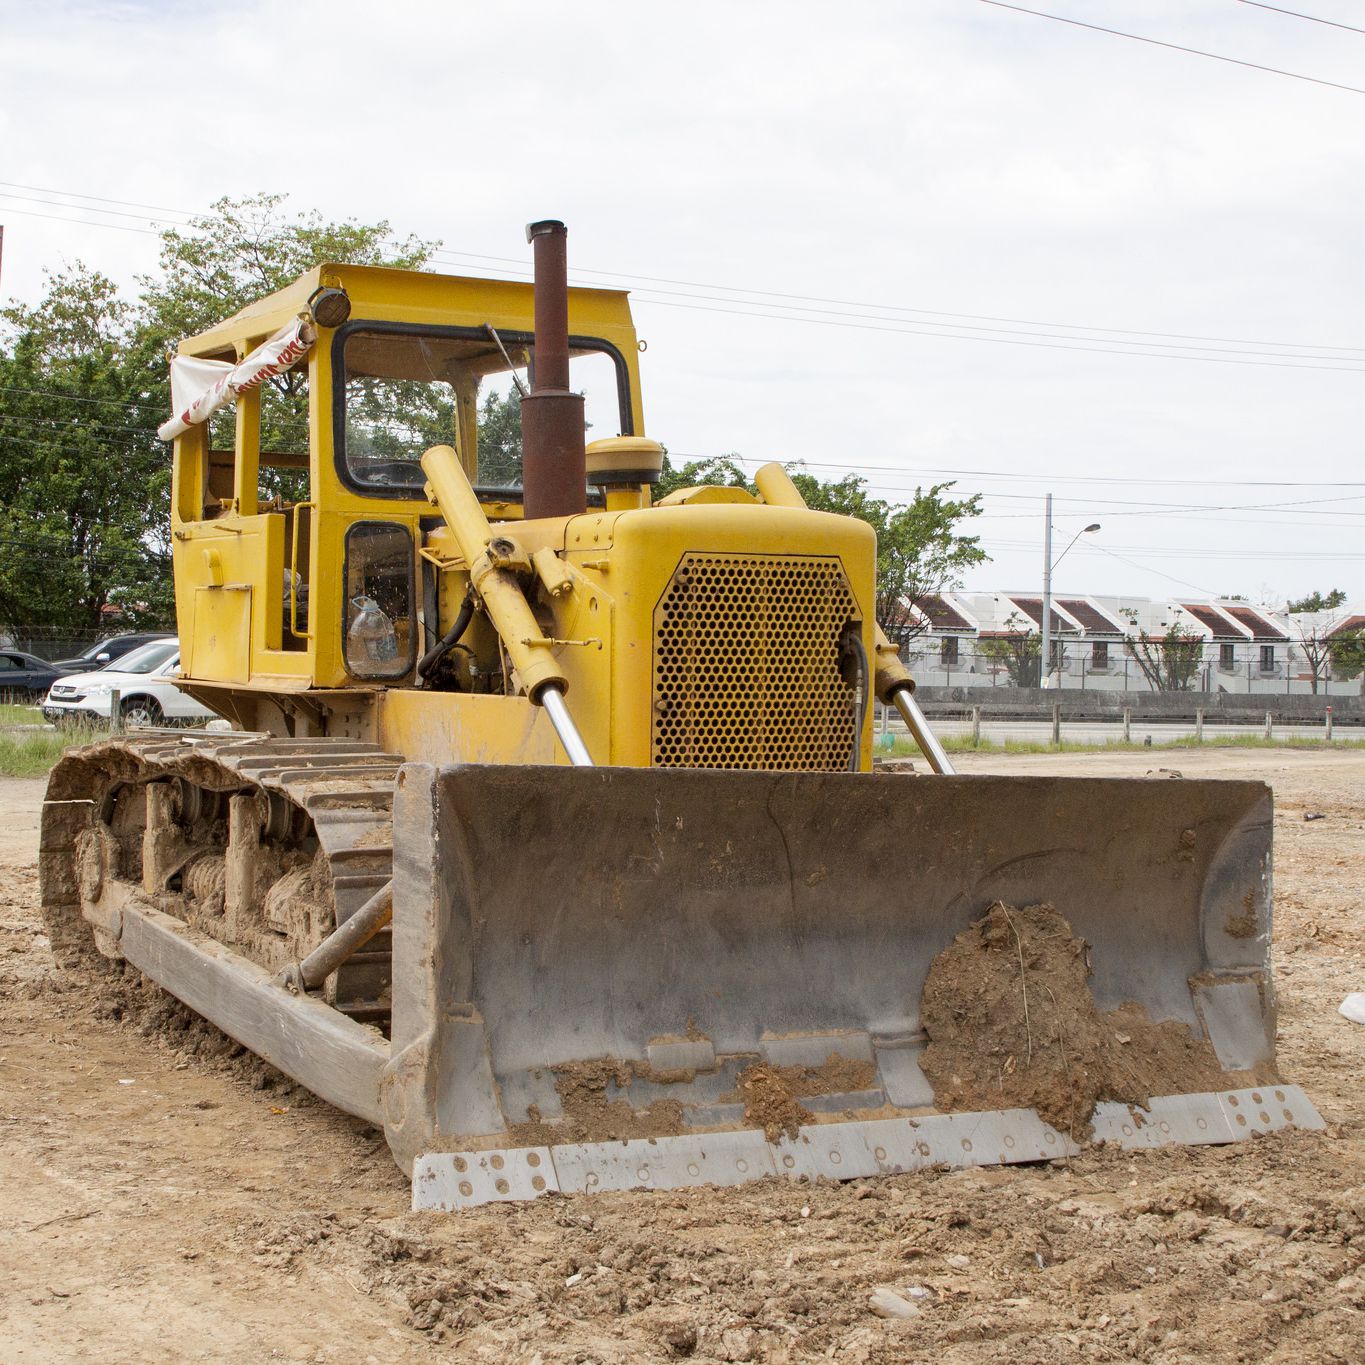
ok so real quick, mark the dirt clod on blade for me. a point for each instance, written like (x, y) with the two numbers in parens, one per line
(1012, 1023)
(769, 1102)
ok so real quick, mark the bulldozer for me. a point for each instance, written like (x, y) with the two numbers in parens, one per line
(544, 831)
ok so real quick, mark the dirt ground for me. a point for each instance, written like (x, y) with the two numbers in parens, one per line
(162, 1202)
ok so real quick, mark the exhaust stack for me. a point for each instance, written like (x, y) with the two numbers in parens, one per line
(554, 465)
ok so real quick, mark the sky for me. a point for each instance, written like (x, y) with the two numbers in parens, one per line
(921, 241)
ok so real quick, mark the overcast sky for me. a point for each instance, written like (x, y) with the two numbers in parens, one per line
(908, 237)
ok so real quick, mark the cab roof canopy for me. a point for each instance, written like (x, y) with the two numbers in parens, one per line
(385, 294)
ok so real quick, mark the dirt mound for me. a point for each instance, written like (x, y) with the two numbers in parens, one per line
(1012, 1024)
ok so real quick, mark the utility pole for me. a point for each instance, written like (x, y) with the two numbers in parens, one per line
(1045, 664)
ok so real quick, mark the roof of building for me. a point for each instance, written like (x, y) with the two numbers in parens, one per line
(1092, 619)
(1260, 628)
(942, 614)
(1213, 619)
(1350, 623)
(1033, 606)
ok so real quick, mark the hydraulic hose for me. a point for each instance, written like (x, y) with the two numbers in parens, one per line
(450, 639)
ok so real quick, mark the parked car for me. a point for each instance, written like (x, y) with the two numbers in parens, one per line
(25, 677)
(104, 652)
(144, 680)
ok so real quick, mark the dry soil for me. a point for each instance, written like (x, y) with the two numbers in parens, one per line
(163, 1201)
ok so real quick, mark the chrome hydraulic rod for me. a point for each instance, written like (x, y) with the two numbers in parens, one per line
(920, 732)
(552, 699)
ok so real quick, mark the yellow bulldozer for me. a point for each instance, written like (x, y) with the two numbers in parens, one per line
(546, 833)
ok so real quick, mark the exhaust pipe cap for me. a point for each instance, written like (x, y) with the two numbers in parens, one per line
(544, 228)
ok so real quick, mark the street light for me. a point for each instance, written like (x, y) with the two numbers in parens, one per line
(1048, 565)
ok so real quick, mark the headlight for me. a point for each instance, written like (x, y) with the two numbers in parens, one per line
(97, 690)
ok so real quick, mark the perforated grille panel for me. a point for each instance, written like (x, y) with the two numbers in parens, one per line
(746, 664)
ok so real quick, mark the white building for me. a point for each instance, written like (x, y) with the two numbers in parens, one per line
(973, 639)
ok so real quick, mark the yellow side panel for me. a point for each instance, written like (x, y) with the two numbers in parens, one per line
(219, 645)
(455, 727)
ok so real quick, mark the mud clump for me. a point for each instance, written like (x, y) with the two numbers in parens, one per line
(771, 1094)
(1012, 1023)
(769, 1103)
(589, 1116)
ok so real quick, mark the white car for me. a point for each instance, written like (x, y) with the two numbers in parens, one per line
(144, 680)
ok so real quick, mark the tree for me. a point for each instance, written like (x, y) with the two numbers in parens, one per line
(84, 483)
(1169, 662)
(1018, 652)
(1347, 653)
(1317, 601)
(721, 471)
(1316, 640)
(919, 549)
(244, 249)
(500, 439)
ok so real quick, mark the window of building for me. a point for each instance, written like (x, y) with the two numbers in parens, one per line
(1227, 657)
(1267, 658)
(1099, 655)
(947, 650)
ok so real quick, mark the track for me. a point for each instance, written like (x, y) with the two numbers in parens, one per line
(265, 844)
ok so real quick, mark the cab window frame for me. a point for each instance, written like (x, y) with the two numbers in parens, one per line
(365, 525)
(509, 337)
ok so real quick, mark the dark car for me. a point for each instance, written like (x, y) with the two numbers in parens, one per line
(24, 676)
(104, 652)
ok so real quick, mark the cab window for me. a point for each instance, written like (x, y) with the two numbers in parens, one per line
(400, 390)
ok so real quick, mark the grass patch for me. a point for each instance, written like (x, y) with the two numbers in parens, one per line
(31, 753)
(12, 713)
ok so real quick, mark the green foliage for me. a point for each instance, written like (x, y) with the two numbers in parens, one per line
(243, 249)
(30, 753)
(1317, 601)
(500, 439)
(1019, 653)
(721, 471)
(1326, 650)
(1170, 662)
(84, 483)
(1347, 651)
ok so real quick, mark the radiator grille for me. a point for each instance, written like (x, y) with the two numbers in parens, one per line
(746, 664)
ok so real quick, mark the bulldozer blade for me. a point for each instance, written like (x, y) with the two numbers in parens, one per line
(644, 936)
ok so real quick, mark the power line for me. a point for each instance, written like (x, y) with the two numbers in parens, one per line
(73, 194)
(999, 341)
(1312, 18)
(797, 301)
(1176, 47)
(523, 269)
(1046, 478)
(1146, 568)
(82, 208)
(85, 222)
(790, 312)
